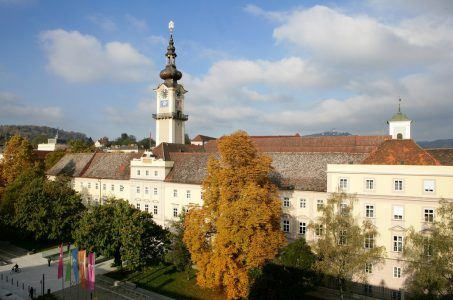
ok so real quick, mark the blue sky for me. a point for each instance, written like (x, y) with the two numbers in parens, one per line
(268, 67)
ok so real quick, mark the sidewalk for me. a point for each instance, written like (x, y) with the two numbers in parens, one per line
(34, 269)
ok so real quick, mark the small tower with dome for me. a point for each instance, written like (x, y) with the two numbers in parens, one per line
(400, 125)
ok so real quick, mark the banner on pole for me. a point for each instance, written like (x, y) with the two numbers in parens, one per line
(75, 264)
(91, 271)
(60, 263)
(82, 267)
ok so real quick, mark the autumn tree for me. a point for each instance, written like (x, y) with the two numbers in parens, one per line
(429, 256)
(17, 157)
(237, 229)
(344, 246)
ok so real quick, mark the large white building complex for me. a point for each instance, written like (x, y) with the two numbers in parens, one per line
(397, 183)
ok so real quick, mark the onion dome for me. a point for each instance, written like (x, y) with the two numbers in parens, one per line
(171, 74)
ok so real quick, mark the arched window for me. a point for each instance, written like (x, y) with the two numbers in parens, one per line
(399, 136)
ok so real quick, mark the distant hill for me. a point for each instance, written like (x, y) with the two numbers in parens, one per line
(447, 143)
(38, 134)
(330, 133)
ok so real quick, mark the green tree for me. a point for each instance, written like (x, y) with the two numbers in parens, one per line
(48, 209)
(344, 246)
(429, 256)
(39, 139)
(52, 158)
(178, 254)
(290, 276)
(97, 231)
(125, 140)
(143, 241)
(237, 229)
(187, 140)
(146, 143)
(14, 190)
(298, 255)
(80, 146)
(17, 157)
(117, 229)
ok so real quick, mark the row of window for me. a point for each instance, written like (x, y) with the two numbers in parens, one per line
(146, 190)
(155, 211)
(398, 185)
(104, 186)
(156, 173)
(370, 212)
(302, 203)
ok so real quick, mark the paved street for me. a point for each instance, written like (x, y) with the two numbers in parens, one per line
(33, 269)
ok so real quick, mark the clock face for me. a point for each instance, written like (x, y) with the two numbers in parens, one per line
(163, 103)
(164, 94)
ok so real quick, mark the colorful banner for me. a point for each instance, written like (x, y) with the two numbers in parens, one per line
(60, 263)
(68, 269)
(75, 265)
(91, 271)
(82, 256)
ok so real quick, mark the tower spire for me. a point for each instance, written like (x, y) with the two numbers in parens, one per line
(399, 105)
(171, 74)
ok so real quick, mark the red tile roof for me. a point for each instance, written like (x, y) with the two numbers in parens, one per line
(163, 149)
(300, 171)
(343, 144)
(400, 152)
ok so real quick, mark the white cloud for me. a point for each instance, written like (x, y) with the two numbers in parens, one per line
(102, 21)
(363, 41)
(270, 15)
(139, 24)
(15, 111)
(82, 58)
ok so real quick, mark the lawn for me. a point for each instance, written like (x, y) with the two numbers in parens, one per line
(166, 280)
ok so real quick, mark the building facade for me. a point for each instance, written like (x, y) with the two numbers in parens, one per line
(397, 184)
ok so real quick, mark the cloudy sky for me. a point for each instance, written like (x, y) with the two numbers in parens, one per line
(268, 67)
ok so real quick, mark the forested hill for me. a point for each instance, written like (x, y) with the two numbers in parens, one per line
(38, 134)
(447, 143)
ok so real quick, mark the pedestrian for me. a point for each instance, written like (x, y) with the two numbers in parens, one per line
(48, 261)
(30, 293)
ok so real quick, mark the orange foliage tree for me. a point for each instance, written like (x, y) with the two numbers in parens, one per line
(238, 227)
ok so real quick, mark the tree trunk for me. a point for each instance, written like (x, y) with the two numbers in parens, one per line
(117, 258)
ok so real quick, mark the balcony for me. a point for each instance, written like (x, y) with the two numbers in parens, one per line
(174, 115)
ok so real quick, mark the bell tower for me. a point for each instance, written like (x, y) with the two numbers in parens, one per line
(170, 117)
(400, 125)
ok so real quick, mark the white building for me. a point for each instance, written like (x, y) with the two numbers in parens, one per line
(52, 145)
(391, 175)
